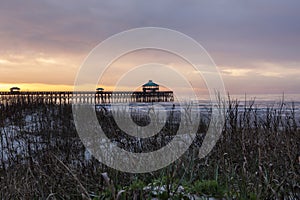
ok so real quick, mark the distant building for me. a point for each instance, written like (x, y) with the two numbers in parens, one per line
(150, 87)
(15, 90)
(99, 89)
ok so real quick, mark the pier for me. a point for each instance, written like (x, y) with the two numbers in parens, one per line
(68, 97)
(150, 93)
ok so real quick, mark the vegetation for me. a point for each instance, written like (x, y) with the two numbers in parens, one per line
(257, 157)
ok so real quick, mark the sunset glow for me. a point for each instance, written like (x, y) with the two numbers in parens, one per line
(44, 44)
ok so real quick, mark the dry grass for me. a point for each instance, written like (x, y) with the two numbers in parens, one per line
(43, 158)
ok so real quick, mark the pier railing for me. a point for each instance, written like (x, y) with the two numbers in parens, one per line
(68, 97)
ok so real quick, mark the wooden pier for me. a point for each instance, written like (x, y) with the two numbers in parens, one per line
(150, 93)
(100, 97)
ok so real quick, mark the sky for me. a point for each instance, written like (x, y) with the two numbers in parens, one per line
(254, 43)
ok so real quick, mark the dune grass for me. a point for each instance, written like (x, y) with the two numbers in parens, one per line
(42, 157)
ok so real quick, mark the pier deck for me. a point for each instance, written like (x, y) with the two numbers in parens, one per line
(68, 97)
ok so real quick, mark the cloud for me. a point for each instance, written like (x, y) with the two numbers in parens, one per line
(5, 62)
(268, 78)
(56, 34)
(254, 30)
(236, 72)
